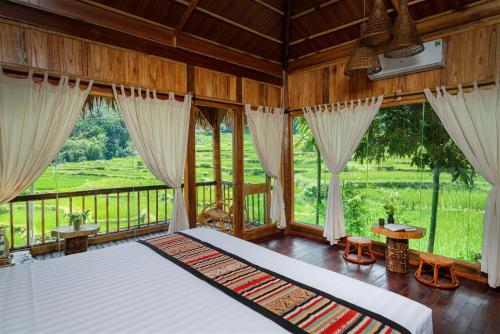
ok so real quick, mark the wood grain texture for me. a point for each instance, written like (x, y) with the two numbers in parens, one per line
(472, 55)
(78, 19)
(214, 84)
(259, 93)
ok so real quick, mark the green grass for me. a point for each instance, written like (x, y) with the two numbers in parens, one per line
(460, 215)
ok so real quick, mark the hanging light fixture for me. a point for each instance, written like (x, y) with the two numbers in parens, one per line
(378, 27)
(406, 41)
(363, 60)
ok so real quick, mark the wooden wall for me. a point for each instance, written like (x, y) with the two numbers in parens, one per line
(258, 93)
(472, 55)
(25, 46)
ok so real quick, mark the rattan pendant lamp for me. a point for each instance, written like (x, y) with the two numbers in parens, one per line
(406, 41)
(378, 28)
(363, 59)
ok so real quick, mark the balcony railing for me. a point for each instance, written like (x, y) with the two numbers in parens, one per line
(30, 218)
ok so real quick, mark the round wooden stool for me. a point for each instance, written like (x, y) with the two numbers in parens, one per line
(359, 243)
(436, 262)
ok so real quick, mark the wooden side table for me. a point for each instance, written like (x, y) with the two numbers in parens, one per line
(75, 241)
(396, 250)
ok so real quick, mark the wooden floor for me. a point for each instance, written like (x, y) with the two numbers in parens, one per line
(472, 308)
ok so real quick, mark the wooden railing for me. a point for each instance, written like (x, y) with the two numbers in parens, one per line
(30, 218)
(257, 199)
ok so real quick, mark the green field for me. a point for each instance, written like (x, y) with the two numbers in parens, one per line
(460, 214)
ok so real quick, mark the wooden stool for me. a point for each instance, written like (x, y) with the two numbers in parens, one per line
(359, 243)
(436, 262)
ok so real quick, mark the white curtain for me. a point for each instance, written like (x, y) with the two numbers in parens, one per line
(473, 122)
(266, 126)
(337, 134)
(159, 131)
(36, 119)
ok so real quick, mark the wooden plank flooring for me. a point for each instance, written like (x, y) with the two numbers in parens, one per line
(472, 308)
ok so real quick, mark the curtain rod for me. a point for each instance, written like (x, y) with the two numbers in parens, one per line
(394, 99)
(103, 88)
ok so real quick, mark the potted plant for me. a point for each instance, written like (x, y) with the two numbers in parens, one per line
(390, 207)
(76, 219)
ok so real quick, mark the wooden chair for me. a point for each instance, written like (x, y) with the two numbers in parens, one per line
(359, 243)
(436, 262)
(218, 215)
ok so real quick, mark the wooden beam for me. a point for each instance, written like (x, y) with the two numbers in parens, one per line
(286, 34)
(190, 195)
(287, 159)
(268, 6)
(217, 157)
(238, 167)
(427, 26)
(87, 12)
(314, 8)
(196, 44)
(59, 23)
(185, 17)
(231, 22)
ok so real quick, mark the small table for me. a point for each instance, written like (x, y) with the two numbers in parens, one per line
(75, 241)
(396, 250)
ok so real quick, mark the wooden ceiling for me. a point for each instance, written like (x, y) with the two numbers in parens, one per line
(257, 35)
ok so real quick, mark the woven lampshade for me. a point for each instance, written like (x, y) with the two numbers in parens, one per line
(363, 59)
(378, 27)
(406, 41)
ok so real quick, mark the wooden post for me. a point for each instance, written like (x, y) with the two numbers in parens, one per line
(217, 157)
(238, 196)
(287, 159)
(267, 213)
(189, 171)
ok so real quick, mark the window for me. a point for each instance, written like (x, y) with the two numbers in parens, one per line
(97, 170)
(408, 162)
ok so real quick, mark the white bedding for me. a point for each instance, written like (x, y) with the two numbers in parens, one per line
(131, 289)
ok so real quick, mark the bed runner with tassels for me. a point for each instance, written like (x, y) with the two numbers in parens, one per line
(294, 306)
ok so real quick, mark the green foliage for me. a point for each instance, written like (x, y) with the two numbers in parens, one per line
(355, 210)
(311, 192)
(99, 134)
(391, 203)
(77, 218)
(414, 132)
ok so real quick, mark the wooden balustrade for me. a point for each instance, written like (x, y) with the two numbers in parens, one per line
(31, 217)
(115, 209)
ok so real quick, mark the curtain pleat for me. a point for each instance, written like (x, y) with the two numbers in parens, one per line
(36, 119)
(337, 134)
(473, 122)
(159, 131)
(266, 127)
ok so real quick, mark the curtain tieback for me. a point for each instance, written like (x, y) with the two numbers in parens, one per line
(334, 178)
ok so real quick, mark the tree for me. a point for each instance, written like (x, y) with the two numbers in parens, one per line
(308, 144)
(415, 132)
(99, 134)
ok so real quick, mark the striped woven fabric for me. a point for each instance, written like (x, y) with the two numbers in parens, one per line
(293, 305)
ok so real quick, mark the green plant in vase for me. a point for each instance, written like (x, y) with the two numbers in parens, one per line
(76, 219)
(391, 206)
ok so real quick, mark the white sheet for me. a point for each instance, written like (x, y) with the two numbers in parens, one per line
(131, 289)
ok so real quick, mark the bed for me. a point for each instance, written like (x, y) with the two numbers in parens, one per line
(132, 289)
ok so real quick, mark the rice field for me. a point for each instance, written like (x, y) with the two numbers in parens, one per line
(459, 221)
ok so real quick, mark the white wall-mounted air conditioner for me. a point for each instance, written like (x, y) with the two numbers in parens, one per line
(431, 58)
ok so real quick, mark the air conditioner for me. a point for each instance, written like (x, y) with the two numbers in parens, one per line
(429, 59)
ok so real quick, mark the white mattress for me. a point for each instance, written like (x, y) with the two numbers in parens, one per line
(131, 289)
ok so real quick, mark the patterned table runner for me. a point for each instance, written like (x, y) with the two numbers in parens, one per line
(292, 305)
